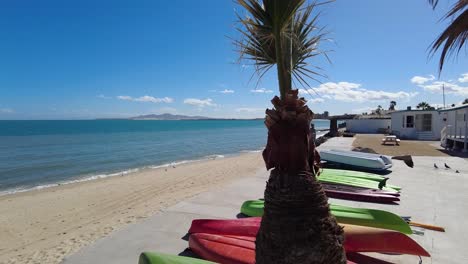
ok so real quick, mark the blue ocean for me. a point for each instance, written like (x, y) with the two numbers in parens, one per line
(38, 154)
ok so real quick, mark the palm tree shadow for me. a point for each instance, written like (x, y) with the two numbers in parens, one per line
(188, 253)
(241, 215)
(185, 237)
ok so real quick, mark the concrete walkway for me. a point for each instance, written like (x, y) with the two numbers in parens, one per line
(433, 196)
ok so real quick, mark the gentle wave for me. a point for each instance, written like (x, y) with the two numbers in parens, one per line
(102, 176)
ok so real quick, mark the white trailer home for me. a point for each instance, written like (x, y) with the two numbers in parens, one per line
(416, 124)
(454, 133)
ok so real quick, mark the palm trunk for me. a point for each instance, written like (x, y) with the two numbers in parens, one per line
(297, 226)
(283, 63)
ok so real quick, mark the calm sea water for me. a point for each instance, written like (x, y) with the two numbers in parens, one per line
(38, 154)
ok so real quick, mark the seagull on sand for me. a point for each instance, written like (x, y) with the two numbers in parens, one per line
(435, 166)
(446, 166)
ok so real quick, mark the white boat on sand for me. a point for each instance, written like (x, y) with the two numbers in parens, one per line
(368, 161)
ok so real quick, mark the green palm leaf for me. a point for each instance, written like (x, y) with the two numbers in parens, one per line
(281, 33)
(454, 36)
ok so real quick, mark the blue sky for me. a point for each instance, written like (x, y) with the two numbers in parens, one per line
(91, 59)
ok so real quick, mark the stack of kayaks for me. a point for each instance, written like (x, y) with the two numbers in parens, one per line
(233, 241)
(356, 178)
(365, 230)
(357, 238)
(346, 215)
(367, 161)
(358, 186)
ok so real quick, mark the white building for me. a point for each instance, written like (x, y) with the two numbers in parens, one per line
(368, 125)
(454, 132)
(417, 124)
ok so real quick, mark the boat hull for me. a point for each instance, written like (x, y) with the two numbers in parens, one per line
(366, 161)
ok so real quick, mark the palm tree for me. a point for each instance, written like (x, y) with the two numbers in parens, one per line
(454, 36)
(297, 226)
(424, 106)
(379, 110)
(392, 106)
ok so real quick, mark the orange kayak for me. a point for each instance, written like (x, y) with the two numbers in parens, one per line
(224, 248)
(369, 239)
(357, 238)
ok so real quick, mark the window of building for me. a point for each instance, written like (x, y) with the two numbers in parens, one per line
(410, 121)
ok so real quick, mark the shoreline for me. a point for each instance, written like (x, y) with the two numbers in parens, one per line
(98, 176)
(43, 226)
(321, 135)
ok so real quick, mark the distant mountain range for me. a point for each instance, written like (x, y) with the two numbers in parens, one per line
(170, 117)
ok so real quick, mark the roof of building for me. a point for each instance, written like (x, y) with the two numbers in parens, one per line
(454, 108)
(373, 117)
(413, 110)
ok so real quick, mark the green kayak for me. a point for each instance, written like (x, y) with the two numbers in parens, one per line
(357, 180)
(159, 258)
(353, 174)
(346, 215)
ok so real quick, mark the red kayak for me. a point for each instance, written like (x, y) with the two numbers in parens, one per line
(372, 198)
(357, 238)
(360, 194)
(224, 248)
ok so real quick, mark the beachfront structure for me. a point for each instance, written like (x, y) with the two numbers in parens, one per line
(369, 125)
(416, 124)
(454, 132)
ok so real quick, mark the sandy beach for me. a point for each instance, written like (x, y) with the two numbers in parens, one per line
(45, 225)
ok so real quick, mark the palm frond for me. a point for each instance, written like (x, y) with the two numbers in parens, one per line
(433, 3)
(453, 38)
(281, 28)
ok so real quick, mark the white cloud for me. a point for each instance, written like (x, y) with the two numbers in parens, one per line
(352, 92)
(437, 106)
(422, 80)
(249, 110)
(450, 88)
(366, 109)
(199, 102)
(146, 98)
(261, 90)
(464, 78)
(316, 100)
(103, 96)
(6, 110)
(226, 91)
(124, 97)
